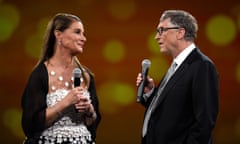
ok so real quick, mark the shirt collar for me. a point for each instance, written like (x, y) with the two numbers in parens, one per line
(182, 56)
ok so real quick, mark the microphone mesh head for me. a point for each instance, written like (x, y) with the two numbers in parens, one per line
(146, 63)
(77, 72)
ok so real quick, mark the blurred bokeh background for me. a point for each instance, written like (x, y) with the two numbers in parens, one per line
(120, 34)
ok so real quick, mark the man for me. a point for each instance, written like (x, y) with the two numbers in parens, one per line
(183, 109)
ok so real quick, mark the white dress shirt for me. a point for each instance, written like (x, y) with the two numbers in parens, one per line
(179, 60)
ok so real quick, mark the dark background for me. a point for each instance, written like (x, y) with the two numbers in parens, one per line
(120, 34)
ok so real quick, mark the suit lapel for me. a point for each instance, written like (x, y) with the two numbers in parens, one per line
(175, 77)
(171, 82)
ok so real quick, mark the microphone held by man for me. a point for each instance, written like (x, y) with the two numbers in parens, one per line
(142, 80)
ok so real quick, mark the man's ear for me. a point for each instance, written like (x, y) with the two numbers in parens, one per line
(181, 33)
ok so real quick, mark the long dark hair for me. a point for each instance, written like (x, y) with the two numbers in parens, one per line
(61, 22)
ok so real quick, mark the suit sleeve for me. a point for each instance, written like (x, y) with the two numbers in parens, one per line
(205, 93)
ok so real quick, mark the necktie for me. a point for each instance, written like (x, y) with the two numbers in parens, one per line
(170, 72)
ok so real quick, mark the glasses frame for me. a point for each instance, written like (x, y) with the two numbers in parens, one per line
(160, 30)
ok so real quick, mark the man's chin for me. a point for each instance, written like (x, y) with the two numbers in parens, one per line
(162, 50)
(165, 52)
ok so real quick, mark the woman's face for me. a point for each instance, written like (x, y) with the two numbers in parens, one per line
(73, 38)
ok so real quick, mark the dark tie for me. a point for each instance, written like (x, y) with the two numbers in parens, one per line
(152, 106)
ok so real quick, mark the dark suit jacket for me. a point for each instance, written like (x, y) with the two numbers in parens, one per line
(187, 109)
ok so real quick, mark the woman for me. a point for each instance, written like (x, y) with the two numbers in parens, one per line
(54, 111)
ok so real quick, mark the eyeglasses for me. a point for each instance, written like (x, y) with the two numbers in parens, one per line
(160, 30)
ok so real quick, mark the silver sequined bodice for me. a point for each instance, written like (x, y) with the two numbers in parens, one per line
(69, 127)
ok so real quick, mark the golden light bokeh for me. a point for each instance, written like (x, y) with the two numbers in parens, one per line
(114, 51)
(34, 42)
(9, 20)
(221, 30)
(122, 9)
(152, 44)
(11, 119)
(120, 34)
(115, 95)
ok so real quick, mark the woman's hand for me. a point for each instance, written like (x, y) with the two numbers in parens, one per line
(84, 103)
(84, 106)
(75, 95)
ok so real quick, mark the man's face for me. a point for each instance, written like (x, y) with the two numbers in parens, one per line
(166, 36)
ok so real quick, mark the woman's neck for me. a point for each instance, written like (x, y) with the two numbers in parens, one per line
(61, 61)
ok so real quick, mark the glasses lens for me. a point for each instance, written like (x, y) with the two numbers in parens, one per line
(160, 30)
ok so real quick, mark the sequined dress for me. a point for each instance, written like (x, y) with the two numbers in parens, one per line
(69, 128)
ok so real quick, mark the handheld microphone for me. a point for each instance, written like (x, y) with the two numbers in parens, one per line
(77, 75)
(77, 79)
(145, 67)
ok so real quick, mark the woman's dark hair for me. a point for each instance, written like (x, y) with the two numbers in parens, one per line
(61, 22)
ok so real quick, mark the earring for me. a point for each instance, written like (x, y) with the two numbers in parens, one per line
(59, 42)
